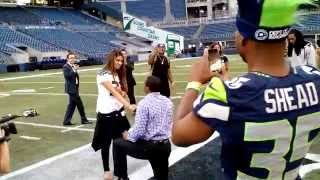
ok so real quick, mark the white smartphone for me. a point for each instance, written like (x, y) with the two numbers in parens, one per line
(217, 66)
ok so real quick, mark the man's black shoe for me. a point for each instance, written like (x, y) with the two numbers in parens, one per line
(86, 122)
(68, 124)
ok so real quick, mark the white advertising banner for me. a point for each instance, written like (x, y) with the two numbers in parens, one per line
(138, 27)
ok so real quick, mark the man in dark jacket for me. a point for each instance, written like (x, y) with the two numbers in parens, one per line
(71, 77)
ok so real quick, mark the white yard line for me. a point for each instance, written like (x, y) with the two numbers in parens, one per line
(46, 88)
(53, 126)
(2, 95)
(176, 155)
(92, 119)
(30, 138)
(72, 128)
(44, 162)
(81, 70)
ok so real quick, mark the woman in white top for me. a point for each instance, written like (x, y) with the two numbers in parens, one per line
(300, 52)
(111, 104)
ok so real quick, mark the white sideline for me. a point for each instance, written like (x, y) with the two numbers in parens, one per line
(176, 155)
(44, 162)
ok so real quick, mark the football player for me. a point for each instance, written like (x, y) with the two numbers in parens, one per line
(267, 118)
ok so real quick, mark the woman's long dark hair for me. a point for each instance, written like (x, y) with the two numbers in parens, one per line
(109, 65)
(299, 44)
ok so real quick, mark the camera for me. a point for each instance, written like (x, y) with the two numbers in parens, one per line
(7, 125)
(216, 63)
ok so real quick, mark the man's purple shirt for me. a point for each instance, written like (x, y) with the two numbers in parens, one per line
(153, 119)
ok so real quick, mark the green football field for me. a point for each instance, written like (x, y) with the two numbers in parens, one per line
(42, 137)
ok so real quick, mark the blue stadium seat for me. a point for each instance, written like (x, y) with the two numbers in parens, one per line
(219, 31)
(74, 41)
(178, 9)
(64, 15)
(153, 9)
(18, 16)
(11, 37)
(187, 31)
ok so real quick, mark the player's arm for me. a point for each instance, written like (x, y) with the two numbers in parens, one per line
(4, 154)
(188, 128)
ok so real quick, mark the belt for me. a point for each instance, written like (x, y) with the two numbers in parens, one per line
(114, 113)
(163, 141)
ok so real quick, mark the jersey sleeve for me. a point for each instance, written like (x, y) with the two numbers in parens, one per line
(212, 106)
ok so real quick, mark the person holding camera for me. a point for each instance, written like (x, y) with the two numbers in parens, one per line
(112, 122)
(72, 82)
(4, 152)
(218, 62)
(160, 67)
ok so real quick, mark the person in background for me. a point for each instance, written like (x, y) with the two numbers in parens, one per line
(318, 53)
(112, 122)
(300, 51)
(72, 82)
(149, 137)
(267, 118)
(129, 65)
(160, 67)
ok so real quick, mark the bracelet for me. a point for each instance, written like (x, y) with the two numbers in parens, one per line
(194, 85)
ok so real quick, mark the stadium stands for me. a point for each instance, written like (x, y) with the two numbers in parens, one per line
(3, 57)
(187, 31)
(71, 40)
(309, 23)
(12, 37)
(70, 16)
(219, 31)
(178, 8)
(153, 9)
(18, 16)
(103, 37)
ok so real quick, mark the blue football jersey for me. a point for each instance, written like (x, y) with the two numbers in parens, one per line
(266, 123)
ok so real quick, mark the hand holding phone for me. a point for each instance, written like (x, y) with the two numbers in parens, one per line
(217, 66)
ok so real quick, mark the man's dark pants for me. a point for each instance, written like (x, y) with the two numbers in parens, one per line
(74, 101)
(157, 152)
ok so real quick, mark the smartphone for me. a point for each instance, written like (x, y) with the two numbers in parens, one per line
(217, 66)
